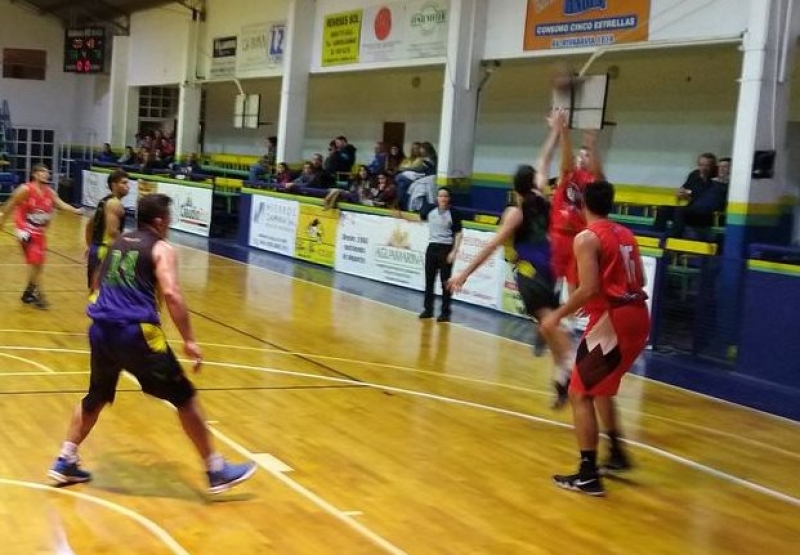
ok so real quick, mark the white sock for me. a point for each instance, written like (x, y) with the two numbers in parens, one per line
(69, 451)
(563, 372)
(215, 462)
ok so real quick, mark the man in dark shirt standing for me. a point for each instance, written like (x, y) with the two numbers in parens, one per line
(701, 192)
(126, 334)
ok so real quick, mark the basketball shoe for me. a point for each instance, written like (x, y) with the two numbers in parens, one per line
(229, 476)
(65, 472)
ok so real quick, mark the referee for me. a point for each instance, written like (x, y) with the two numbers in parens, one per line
(444, 225)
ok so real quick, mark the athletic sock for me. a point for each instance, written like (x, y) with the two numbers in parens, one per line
(563, 371)
(616, 446)
(69, 452)
(215, 462)
(588, 463)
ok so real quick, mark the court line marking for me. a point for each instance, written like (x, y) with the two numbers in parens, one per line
(38, 365)
(621, 404)
(151, 526)
(267, 462)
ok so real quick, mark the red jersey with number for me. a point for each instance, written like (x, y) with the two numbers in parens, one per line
(566, 209)
(35, 213)
(621, 279)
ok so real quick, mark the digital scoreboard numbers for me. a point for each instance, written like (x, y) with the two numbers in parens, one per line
(85, 50)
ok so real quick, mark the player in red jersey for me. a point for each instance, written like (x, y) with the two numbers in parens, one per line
(566, 214)
(611, 292)
(33, 204)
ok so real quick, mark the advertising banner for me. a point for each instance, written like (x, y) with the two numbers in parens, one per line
(427, 28)
(316, 235)
(273, 224)
(511, 300)
(341, 38)
(383, 249)
(484, 286)
(191, 207)
(554, 24)
(95, 188)
(260, 49)
(223, 57)
(383, 33)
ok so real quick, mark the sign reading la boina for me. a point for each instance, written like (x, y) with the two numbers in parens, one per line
(557, 24)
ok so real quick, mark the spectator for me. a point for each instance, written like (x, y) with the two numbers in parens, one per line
(394, 158)
(379, 160)
(107, 155)
(702, 195)
(384, 194)
(424, 164)
(283, 175)
(261, 170)
(358, 189)
(128, 157)
(341, 158)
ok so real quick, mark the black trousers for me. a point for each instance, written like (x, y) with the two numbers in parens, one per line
(436, 261)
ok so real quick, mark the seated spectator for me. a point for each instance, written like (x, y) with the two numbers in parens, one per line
(128, 157)
(261, 170)
(384, 193)
(107, 156)
(703, 200)
(283, 175)
(423, 165)
(324, 178)
(394, 158)
(188, 166)
(358, 189)
(341, 158)
(379, 159)
(312, 176)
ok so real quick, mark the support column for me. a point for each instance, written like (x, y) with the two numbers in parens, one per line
(294, 87)
(754, 205)
(463, 75)
(188, 131)
(120, 113)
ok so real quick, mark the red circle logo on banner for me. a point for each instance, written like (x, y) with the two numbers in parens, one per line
(383, 23)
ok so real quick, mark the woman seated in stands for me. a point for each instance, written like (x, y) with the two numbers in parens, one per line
(128, 158)
(107, 156)
(283, 175)
(384, 193)
(395, 158)
(359, 189)
(425, 164)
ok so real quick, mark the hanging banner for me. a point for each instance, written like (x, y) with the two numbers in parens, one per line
(273, 224)
(223, 58)
(427, 28)
(315, 239)
(383, 33)
(341, 38)
(552, 24)
(260, 49)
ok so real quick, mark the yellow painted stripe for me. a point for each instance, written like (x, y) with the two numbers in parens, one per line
(651, 242)
(776, 267)
(694, 247)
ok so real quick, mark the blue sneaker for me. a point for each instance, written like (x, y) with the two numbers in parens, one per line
(65, 472)
(229, 476)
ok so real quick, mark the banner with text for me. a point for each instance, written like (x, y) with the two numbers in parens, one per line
(383, 33)
(315, 239)
(191, 207)
(273, 224)
(341, 38)
(223, 58)
(260, 49)
(559, 24)
(427, 22)
(95, 188)
(485, 285)
(384, 249)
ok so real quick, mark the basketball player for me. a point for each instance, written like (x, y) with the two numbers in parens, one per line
(107, 224)
(610, 290)
(33, 204)
(524, 225)
(126, 334)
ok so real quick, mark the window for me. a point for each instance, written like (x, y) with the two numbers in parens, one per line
(158, 103)
(19, 63)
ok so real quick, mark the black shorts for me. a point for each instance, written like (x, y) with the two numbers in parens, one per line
(537, 292)
(142, 350)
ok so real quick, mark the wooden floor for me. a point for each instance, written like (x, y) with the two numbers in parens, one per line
(375, 433)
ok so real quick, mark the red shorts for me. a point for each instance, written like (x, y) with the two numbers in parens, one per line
(609, 347)
(562, 257)
(33, 246)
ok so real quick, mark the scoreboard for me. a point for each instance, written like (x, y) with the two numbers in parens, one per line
(85, 50)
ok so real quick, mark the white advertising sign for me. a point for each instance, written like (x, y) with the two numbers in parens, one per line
(273, 224)
(649, 265)
(223, 57)
(484, 287)
(260, 49)
(383, 33)
(95, 188)
(384, 249)
(427, 22)
(191, 207)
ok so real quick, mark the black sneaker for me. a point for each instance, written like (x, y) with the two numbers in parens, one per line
(590, 485)
(562, 396)
(425, 314)
(28, 297)
(618, 462)
(443, 318)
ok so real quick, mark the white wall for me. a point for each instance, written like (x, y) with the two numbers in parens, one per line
(669, 20)
(160, 41)
(70, 104)
(668, 106)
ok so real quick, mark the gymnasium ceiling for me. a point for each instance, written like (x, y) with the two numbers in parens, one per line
(82, 13)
